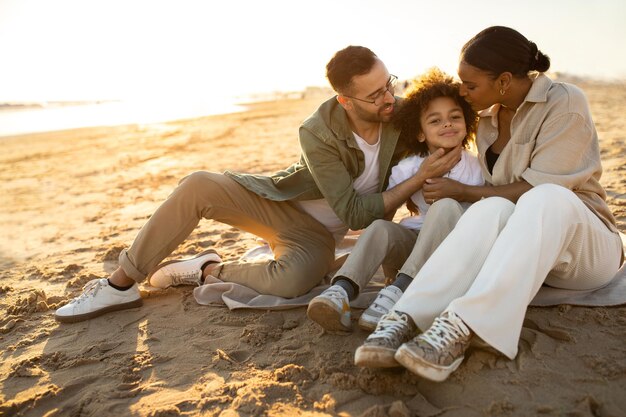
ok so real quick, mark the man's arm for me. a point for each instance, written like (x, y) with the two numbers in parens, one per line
(328, 170)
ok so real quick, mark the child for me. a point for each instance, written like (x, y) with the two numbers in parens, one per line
(432, 116)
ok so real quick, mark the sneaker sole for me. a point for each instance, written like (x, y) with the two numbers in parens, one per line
(375, 357)
(367, 325)
(326, 316)
(93, 314)
(419, 366)
(173, 261)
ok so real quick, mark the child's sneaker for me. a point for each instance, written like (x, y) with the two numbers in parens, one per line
(385, 300)
(331, 309)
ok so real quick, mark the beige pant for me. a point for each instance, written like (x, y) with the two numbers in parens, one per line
(303, 249)
(497, 257)
(397, 248)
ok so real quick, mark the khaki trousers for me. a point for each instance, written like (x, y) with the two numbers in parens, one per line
(303, 249)
(397, 248)
(497, 257)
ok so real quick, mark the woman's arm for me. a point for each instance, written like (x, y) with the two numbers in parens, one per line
(438, 188)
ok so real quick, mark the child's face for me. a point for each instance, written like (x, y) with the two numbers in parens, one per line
(443, 124)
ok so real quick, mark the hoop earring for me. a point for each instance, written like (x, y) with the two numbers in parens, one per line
(502, 91)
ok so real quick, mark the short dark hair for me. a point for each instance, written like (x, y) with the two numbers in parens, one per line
(347, 63)
(433, 84)
(499, 49)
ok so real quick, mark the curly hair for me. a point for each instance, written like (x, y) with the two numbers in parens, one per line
(433, 84)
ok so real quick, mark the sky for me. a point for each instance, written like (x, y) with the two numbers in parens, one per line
(202, 49)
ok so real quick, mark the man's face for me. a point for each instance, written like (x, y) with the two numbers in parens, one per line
(373, 86)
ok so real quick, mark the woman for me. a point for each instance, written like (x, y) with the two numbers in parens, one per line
(542, 218)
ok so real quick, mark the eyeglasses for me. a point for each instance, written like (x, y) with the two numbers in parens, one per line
(379, 98)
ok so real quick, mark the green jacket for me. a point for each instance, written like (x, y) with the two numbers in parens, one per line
(329, 163)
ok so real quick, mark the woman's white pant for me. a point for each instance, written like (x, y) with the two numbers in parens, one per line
(499, 254)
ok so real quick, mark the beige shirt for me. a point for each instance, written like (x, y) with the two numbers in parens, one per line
(553, 140)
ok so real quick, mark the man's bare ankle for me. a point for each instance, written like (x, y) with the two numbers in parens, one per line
(119, 278)
(206, 271)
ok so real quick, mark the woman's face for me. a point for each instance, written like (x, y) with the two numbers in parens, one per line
(478, 88)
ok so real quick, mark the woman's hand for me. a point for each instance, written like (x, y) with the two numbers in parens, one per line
(439, 163)
(437, 188)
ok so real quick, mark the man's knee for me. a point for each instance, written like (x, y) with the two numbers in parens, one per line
(198, 180)
(202, 185)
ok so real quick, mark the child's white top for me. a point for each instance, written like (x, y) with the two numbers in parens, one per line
(467, 171)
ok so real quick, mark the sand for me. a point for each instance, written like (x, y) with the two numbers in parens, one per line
(70, 201)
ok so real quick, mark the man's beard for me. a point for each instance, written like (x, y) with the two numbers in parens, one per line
(377, 117)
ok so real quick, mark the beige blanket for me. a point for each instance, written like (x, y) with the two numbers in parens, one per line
(235, 296)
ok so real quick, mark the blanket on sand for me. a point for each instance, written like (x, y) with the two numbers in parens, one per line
(236, 296)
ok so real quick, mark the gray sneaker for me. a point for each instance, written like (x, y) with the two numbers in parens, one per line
(378, 350)
(439, 351)
(385, 300)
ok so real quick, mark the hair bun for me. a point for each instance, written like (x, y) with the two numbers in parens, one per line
(534, 51)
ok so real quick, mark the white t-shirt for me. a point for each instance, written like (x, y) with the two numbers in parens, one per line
(467, 171)
(366, 183)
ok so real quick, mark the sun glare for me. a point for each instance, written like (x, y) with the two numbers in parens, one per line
(209, 52)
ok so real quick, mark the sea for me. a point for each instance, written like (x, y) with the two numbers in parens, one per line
(24, 118)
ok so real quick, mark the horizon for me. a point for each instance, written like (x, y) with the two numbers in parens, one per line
(72, 50)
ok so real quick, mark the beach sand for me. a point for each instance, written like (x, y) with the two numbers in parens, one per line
(70, 201)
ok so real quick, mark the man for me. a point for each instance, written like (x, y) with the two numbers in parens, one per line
(348, 149)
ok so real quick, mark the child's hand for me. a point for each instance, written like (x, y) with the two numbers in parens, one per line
(439, 163)
(437, 188)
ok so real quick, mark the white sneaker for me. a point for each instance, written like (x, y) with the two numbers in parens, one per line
(182, 271)
(385, 300)
(331, 309)
(98, 297)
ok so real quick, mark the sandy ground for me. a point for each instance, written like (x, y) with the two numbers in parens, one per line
(70, 201)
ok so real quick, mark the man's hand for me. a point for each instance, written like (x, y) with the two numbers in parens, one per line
(435, 165)
(439, 163)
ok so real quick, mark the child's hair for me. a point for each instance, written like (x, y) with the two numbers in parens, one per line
(433, 84)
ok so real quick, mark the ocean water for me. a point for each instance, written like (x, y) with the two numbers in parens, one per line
(17, 121)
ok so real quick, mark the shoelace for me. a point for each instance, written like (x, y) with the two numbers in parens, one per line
(445, 330)
(390, 327)
(89, 290)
